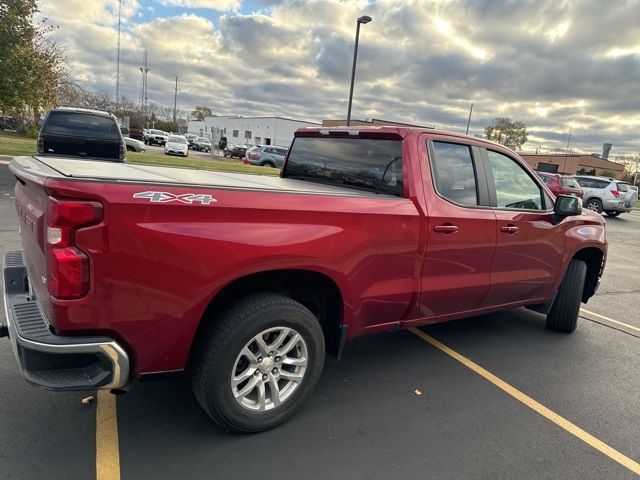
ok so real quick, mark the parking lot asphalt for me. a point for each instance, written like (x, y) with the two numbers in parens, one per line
(365, 419)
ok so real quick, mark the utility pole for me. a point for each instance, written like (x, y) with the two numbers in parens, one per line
(566, 154)
(118, 61)
(175, 102)
(469, 121)
(143, 87)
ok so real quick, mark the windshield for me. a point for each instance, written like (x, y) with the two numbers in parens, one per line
(74, 124)
(174, 139)
(369, 164)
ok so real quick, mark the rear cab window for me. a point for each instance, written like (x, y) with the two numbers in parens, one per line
(374, 165)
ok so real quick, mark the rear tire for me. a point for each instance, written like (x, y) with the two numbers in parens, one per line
(615, 213)
(563, 316)
(594, 205)
(230, 348)
(267, 164)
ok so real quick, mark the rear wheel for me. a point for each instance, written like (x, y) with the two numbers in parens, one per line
(563, 316)
(594, 204)
(615, 213)
(267, 164)
(258, 363)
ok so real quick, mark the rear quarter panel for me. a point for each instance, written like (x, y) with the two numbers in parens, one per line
(155, 267)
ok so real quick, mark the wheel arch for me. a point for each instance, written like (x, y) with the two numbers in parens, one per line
(316, 291)
(594, 258)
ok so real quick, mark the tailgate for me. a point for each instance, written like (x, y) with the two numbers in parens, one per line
(31, 206)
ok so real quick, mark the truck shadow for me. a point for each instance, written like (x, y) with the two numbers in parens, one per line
(369, 397)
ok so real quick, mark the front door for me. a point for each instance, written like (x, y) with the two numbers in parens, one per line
(529, 246)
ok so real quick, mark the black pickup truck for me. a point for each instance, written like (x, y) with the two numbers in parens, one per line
(81, 132)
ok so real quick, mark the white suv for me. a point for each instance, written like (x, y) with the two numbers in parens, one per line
(607, 195)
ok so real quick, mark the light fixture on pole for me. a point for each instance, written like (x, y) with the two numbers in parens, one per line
(362, 19)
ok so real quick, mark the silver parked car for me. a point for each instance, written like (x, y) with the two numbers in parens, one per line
(134, 145)
(606, 195)
(266, 156)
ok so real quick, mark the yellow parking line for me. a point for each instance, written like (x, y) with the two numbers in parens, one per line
(534, 405)
(626, 325)
(107, 449)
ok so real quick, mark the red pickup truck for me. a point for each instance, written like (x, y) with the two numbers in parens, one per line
(246, 281)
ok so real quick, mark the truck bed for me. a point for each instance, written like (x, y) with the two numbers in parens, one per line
(60, 167)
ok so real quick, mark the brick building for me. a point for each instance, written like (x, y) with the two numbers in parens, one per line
(573, 163)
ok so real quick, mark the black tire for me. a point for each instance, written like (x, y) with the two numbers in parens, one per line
(130, 149)
(615, 213)
(593, 204)
(218, 348)
(267, 164)
(563, 316)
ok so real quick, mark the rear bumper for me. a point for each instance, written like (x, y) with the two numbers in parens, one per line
(52, 361)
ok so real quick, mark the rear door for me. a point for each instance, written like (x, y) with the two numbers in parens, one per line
(461, 230)
(529, 246)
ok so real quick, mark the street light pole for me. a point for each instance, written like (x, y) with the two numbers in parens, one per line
(363, 19)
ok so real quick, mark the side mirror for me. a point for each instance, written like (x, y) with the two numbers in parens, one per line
(567, 206)
(39, 123)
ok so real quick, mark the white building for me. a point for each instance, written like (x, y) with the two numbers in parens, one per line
(248, 130)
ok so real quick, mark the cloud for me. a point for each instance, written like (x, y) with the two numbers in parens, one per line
(212, 4)
(550, 64)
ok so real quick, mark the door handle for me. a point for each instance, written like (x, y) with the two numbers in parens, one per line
(446, 228)
(511, 229)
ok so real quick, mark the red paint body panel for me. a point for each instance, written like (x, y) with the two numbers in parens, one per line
(154, 267)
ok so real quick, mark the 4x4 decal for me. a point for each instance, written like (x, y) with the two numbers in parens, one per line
(166, 197)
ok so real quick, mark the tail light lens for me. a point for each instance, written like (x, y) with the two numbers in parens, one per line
(123, 151)
(68, 266)
(40, 145)
(616, 193)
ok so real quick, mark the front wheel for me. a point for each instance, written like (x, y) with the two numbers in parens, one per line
(258, 363)
(563, 316)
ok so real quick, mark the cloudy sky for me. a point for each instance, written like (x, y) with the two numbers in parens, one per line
(553, 64)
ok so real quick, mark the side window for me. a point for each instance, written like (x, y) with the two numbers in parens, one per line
(453, 173)
(514, 187)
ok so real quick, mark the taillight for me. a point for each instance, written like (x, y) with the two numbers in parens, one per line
(67, 266)
(616, 193)
(40, 145)
(123, 151)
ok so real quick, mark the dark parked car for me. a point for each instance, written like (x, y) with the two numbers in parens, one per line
(202, 144)
(80, 132)
(560, 185)
(237, 151)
